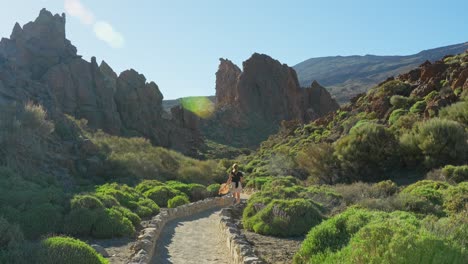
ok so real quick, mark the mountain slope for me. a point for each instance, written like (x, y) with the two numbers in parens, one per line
(346, 76)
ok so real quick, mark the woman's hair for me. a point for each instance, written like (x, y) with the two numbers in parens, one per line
(234, 167)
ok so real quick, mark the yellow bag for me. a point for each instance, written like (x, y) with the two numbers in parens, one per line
(224, 189)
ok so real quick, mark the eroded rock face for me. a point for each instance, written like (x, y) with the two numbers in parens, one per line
(227, 78)
(39, 64)
(270, 89)
(250, 104)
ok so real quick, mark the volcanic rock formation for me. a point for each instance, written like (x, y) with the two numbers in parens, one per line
(38, 63)
(258, 98)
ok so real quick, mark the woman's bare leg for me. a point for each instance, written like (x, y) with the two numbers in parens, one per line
(237, 195)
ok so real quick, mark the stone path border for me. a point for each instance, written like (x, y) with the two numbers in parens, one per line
(240, 249)
(144, 247)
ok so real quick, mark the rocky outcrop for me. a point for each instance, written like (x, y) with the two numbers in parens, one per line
(227, 78)
(251, 104)
(39, 64)
(270, 89)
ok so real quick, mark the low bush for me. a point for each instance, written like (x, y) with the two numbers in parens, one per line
(399, 101)
(257, 182)
(177, 201)
(145, 185)
(194, 191)
(162, 194)
(58, 250)
(333, 234)
(280, 182)
(395, 115)
(112, 223)
(455, 174)
(86, 201)
(35, 203)
(284, 218)
(418, 107)
(213, 189)
(361, 236)
(456, 198)
(456, 112)
(353, 152)
(358, 191)
(436, 142)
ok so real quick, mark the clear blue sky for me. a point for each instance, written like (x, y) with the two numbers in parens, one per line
(178, 43)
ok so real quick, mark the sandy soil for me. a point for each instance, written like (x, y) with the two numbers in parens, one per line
(118, 249)
(272, 249)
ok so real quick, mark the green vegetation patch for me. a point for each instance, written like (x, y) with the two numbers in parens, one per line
(58, 250)
(284, 218)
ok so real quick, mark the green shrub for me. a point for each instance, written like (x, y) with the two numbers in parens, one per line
(147, 184)
(280, 182)
(112, 223)
(431, 96)
(126, 195)
(390, 241)
(107, 200)
(86, 201)
(392, 87)
(257, 182)
(35, 204)
(436, 142)
(395, 115)
(456, 198)
(333, 234)
(418, 107)
(361, 236)
(404, 123)
(456, 112)
(134, 218)
(213, 189)
(325, 196)
(81, 221)
(424, 197)
(284, 218)
(353, 152)
(177, 201)
(194, 191)
(23, 137)
(42, 219)
(67, 250)
(146, 207)
(318, 160)
(455, 173)
(452, 228)
(431, 190)
(162, 194)
(399, 101)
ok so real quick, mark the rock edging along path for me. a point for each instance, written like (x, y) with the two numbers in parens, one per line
(240, 250)
(144, 247)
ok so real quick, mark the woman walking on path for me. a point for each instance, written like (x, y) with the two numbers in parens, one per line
(235, 178)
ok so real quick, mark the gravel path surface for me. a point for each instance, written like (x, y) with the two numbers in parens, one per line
(195, 239)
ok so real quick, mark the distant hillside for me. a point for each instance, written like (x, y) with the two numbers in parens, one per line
(346, 76)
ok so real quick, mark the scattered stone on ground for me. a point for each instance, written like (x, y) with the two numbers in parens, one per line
(273, 249)
(99, 249)
(118, 249)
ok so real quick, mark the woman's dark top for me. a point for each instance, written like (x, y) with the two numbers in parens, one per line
(236, 177)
